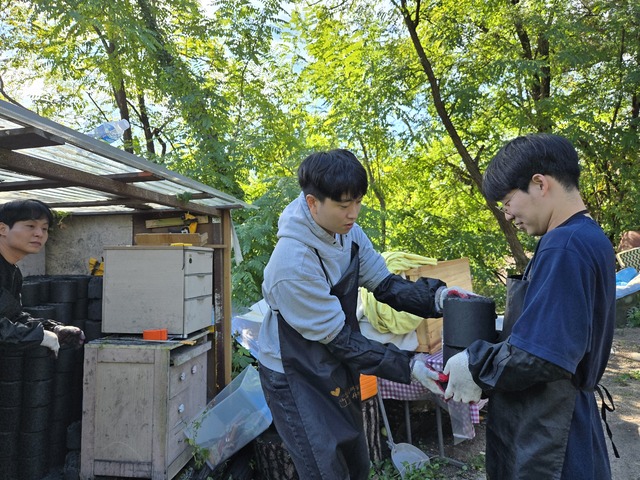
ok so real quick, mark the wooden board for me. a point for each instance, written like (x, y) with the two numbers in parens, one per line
(454, 273)
(195, 239)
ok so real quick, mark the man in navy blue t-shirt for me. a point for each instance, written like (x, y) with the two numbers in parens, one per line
(543, 420)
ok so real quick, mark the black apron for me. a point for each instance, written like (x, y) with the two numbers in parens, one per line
(512, 452)
(327, 392)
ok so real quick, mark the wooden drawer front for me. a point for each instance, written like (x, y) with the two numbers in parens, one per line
(198, 285)
(183, 376)
(187, 404)
(197, 313)
(198, 262)
(177, 442)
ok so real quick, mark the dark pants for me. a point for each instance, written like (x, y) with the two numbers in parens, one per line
(289, 425)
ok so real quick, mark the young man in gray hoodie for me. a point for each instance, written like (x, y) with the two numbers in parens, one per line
(311, 349)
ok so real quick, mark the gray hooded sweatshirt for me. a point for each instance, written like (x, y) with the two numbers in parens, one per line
(296, 285)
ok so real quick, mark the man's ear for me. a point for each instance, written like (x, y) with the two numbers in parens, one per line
(540, 181)
(4, 228)
(311, 202)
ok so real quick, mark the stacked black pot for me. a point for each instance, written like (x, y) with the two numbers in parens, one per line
(465, 320)
(41, 395)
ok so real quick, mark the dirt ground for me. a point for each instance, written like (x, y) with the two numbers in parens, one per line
(622, 379)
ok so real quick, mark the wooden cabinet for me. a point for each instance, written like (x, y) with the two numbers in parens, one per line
(154, 287)
(138, 396)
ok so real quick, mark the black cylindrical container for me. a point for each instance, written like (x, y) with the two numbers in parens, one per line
(47, 312)
(94, 290)
(11, 361)
(30, 293)
(92, 329)
(11, 394)
(466, 320)
(38, 368)
(94, 309)
(64, 311)
(9, 420)
(80, 308)
(63, 289)
(37, 394)
(82, 282)
(35, 419)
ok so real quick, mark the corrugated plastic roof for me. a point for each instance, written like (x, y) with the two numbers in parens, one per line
(76, 173)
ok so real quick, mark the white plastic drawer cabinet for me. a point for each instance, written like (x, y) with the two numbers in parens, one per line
(147, 288)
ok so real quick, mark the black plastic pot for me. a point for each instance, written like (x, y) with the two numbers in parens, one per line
(95, 287)
(30, 294)
(11, 394)
(80, 308)
(33, 467)
(11, 365)
(466, 320)
(10, 419)
(33, 444)
(38, 368)
(9, 467)
(92, 329)
(42, 311)
(64, 311)
(63, 289)
(66, 358)
(9, 443)
(61, 408)
(82, 282)
(35, 419)
(37, 394)
(94, 309)
(62, 383)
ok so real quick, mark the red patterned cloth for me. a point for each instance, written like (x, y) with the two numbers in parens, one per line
(463, 415)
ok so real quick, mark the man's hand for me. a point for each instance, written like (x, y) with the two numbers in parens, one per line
(461, 386)
(427, 376)
(50, 341)
(69, 335)
(445, 292)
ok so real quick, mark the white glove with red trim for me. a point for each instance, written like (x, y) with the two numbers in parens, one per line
(427, 376)
(50, 340)
(444, 292)
(461, 386)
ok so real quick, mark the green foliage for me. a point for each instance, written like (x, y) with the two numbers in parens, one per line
(385, 470)
(626, 378)
(240, 358)
(236, 95)
(633, 317)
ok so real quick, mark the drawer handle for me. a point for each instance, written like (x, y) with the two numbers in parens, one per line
(194, 369)
(181, 408)
(183, 376)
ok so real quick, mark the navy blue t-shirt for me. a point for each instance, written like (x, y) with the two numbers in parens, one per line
(568, 319)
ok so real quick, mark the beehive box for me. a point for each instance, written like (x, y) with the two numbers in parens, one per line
(454, 273)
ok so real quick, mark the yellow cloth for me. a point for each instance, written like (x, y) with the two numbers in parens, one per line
(381, 316)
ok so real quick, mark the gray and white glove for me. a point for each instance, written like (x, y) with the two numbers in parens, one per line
(50, 340)
(445, 292)
(69, 335)
(461, 386)
(427, 376)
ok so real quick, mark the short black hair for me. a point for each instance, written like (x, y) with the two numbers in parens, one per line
(333, 174)
(29, 209)
(521, 158)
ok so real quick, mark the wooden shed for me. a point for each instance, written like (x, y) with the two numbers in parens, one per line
(105, 196)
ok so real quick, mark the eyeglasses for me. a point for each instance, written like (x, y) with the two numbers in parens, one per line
(505, 205)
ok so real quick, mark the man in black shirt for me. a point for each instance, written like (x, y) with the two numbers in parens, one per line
(24, 229)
